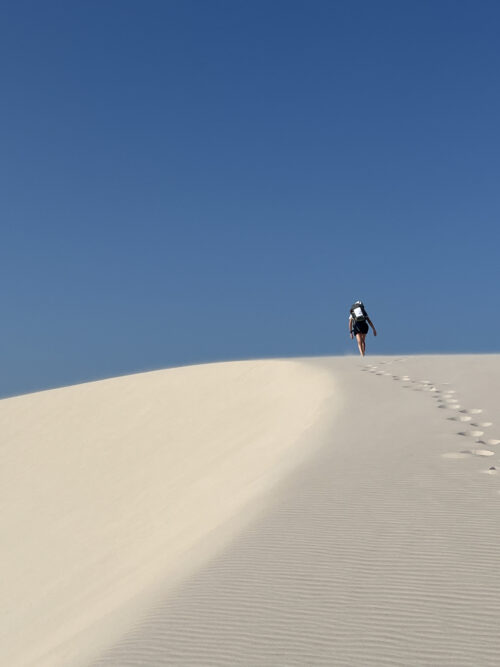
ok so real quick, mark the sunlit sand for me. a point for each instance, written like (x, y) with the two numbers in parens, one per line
(283, 512)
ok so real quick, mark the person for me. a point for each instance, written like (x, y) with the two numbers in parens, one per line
(358, 325)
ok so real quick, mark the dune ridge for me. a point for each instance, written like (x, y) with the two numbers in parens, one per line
(108, 487)
(381, 549)
(363, 530)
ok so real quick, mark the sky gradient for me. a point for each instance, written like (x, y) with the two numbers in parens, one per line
(189, 181)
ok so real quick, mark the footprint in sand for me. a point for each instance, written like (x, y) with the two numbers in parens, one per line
(493, 442)
(491, 471)
(471, 434)
(462, 418)
(472, 411)
(465, 453)
(485, 424)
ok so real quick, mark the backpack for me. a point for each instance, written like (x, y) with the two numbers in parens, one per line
(358, 312)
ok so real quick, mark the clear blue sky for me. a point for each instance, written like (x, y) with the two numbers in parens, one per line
(195, 180)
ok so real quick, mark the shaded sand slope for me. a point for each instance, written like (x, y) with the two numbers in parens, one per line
(381, 549)
(112, 490)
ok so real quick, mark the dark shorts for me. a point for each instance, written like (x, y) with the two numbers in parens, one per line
(360, 327)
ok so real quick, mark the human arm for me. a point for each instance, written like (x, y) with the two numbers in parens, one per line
(350, 326)
(372, 326)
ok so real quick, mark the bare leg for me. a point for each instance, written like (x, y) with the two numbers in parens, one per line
(361, 344)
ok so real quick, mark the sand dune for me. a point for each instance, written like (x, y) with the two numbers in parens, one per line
(350, 516)
(108, 487)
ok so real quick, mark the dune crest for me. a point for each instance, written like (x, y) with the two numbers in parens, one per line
(381, 549)
(108, 486)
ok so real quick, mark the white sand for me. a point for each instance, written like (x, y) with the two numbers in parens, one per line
(108, 487)
(309, 512)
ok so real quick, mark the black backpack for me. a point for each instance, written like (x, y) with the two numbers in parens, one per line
(358, 312)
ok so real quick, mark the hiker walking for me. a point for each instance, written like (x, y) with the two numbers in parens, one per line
(358, 325)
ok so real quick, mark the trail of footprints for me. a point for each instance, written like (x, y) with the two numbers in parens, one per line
(473, 430)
